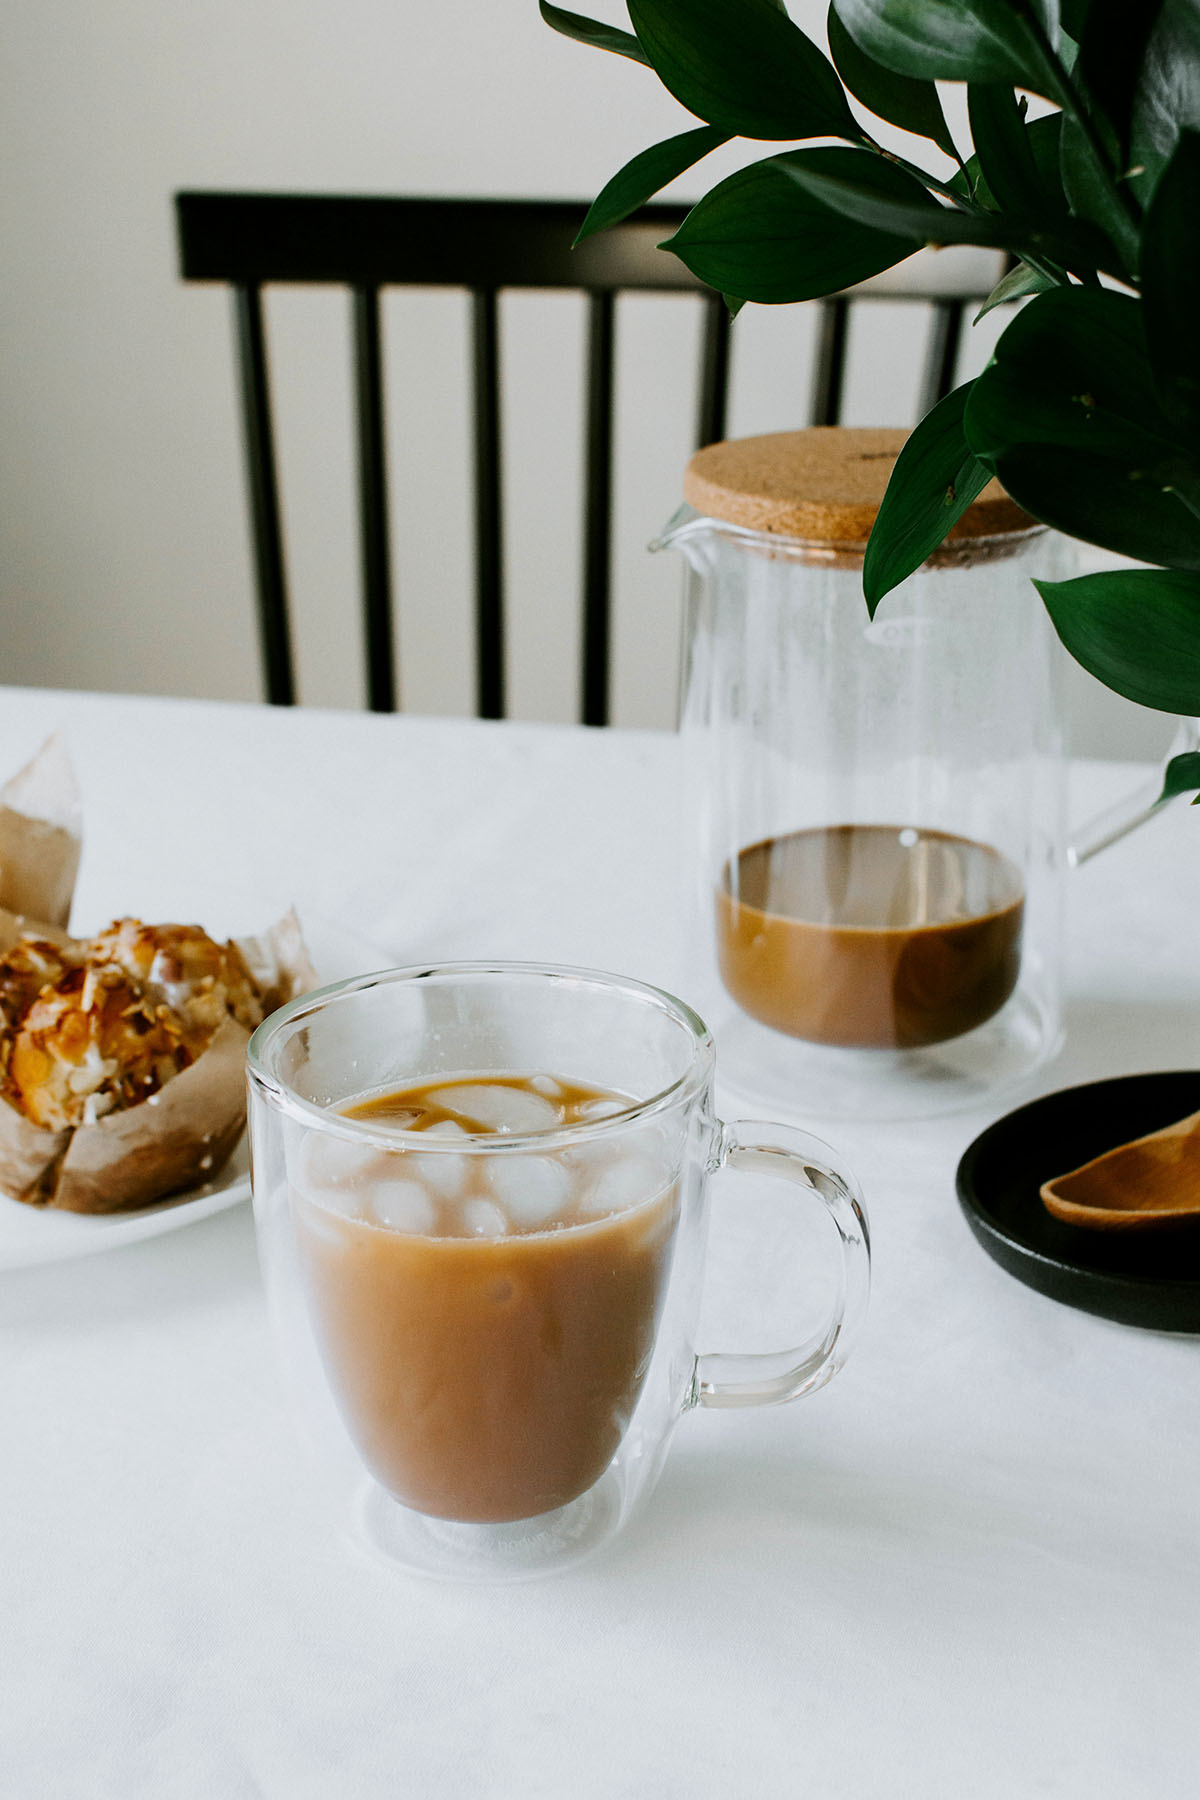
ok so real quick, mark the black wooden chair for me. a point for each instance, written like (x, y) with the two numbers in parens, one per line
(484, 246)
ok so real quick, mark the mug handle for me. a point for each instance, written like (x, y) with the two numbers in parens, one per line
(1127, 814)
(764, 1379)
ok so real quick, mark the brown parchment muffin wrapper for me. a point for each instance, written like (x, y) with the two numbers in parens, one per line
(41, 837)
(183, 1135)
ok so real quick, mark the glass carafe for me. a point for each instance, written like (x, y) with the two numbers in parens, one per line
(877, 807)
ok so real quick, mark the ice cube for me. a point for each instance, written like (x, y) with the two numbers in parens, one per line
(498, 1108)
(602, 1109)
(325, 1225)
(483, 1218)
(546, 1085)
(531, 1189)
(441, 1170)
(445, 1174)
(401, 1205)
(625, 1182)
(595, 1154)
(331, 1170)
(403, 1119)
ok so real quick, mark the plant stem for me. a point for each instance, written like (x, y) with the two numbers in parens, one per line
(929, 181)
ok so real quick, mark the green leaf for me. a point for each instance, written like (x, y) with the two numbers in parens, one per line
(970, 185)
(1097, 500)
(1171, 282)
(1136, 630)
(590, 31)
(1181, 775)
(1018, 284)
(1074, 14)
(1088, 184)
(935, 479)
(1167, 100)
(955, 40)
(915, 213)
(633, 185)
(761, 237)
(743, 66)
(1112, 46)
(1067, 415)
(1006, 153)
(912, 105)
(1043, 139)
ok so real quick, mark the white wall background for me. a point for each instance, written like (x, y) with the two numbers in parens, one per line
(124, 559)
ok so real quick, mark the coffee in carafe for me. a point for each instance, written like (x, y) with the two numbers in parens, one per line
(869, 936)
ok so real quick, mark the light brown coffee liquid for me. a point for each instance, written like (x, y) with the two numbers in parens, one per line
(486, 1321)
(870, 936)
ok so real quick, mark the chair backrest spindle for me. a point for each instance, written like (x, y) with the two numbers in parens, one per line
(714, 373)
(941, 357)
(274, 631)
(830, 371)
(372, 472)
(597, 509)
(489, 509)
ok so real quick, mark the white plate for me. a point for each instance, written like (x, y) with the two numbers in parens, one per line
(38, 1234)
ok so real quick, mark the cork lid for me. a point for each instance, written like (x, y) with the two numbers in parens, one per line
(822, 486)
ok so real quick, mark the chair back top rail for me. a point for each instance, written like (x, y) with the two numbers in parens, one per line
(255, 238)
(365, 240)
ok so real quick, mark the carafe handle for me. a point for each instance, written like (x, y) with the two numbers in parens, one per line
(1116, 821)
(763, 1379)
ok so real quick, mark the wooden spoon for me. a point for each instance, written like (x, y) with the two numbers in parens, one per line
(1153, 1181)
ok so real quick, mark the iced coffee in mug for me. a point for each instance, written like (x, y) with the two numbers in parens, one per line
(480, 1194)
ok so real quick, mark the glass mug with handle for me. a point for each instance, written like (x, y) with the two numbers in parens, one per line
(480, 1194)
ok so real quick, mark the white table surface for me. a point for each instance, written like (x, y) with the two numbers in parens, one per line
(969, 1567)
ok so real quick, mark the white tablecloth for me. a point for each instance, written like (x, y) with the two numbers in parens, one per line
(969, 1567)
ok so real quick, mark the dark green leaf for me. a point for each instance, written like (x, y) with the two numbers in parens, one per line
(1018, 284)
(1044, 136)
(1136, 630)
(953, 40)
(1088, 184)
(912, 105)
(742, 65)
(935, 479)
(1066, 413)
(1072, 370)
(760, 236)
(1168, 93)
(633, 185)
(1074, 15)
(970, 185)
(1043, 139)
(1111, 48)
(1171, 282)
(1097, 500)
(1006, 154)
(1181, 775)
(915, 213)
(590, 31)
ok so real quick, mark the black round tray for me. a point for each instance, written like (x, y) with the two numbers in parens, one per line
(1149, 1278)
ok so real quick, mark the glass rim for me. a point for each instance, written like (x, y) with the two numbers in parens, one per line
(281, 1094)
(838, 553)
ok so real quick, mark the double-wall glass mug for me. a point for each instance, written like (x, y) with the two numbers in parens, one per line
(480, 1194)
(876, 806)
